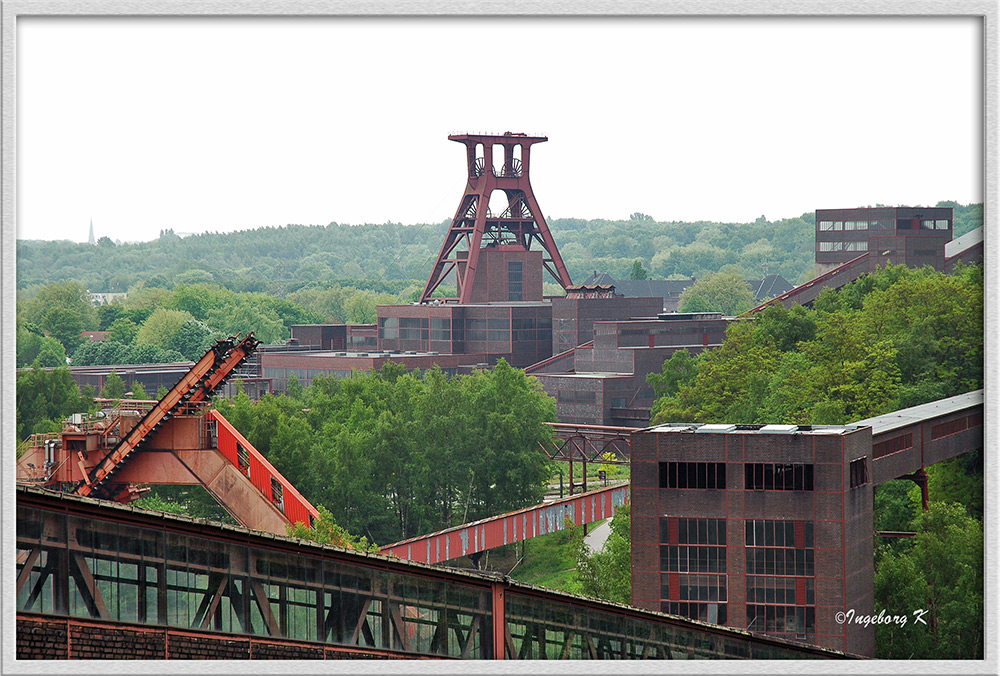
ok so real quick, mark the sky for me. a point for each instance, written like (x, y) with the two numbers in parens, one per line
(224, 124)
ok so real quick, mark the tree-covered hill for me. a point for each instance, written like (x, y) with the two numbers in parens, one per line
(391, 256)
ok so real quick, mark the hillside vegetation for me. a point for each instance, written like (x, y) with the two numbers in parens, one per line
(391, 257)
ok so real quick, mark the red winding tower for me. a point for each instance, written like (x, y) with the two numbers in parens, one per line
(509, 233)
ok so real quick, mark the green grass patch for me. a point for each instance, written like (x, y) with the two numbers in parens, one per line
(550, 560)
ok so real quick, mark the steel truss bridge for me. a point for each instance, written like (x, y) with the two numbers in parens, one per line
(101, 580)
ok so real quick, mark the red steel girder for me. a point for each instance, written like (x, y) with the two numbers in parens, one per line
(496, 531)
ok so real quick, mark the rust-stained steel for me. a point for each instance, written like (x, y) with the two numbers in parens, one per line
(475, 227)
(194, 387)
(520, 525)
(591, 443)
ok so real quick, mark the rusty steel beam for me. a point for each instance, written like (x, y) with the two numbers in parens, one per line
(194, 387)
(591, 443)
(520, 525)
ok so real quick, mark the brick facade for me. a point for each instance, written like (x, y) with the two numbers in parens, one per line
(45, 638)
(810, 535)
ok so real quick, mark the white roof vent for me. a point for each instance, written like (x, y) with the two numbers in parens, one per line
(779, 429)
(716, 429)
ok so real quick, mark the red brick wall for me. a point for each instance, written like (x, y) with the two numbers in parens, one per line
(53, 639)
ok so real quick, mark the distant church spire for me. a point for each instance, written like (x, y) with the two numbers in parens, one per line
(92, 232)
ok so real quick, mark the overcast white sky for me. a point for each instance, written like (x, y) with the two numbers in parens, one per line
(221, 124)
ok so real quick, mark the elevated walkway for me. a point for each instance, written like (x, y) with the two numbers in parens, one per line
(101, 580)
(478, 536)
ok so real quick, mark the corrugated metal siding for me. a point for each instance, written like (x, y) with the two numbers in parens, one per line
(297, 508)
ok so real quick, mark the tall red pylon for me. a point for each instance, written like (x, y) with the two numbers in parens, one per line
(520, 223)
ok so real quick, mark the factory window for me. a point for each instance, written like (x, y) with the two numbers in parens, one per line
(774, 619)
(859, 472)
(388, 328)
(475, 329)
(941, 224)
(855, 246)
(825, 225)
(781, 605)
(277, 494)
(787, 591)
(777, 477)
(710, 475)
(514, 280)
(244, 459)
(574, 397)
(693, 566)
(779, 548)
(893, 445)
(831, 246)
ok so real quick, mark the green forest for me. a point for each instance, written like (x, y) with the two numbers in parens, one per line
(156, 325)
(389, 257)
(393, 455)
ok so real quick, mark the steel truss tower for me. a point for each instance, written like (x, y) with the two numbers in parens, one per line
(520, 223)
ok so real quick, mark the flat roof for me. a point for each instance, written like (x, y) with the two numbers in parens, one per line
(915, 414)
(373, 354)
(716, 428)
(587, 374)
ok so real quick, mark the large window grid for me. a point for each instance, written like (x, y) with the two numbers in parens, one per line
(769, 476)
(797, 621)
(843, 246)
(780, 583)
(779, 547)
(693, 565)
(515, 278)
(705, 475)
(131, 574)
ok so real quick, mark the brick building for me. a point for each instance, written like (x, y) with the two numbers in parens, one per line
(912, 236)
(604, 382)
(767, 528)
(356, 337)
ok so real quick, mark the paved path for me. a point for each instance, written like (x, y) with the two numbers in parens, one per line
(596, 536)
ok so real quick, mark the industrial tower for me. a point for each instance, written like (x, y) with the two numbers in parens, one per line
(510, 231)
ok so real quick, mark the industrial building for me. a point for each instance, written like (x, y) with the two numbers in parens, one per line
(593, 347)
(603, 381)
(911, 236)
(769, 527)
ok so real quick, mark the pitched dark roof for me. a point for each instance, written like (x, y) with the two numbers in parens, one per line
(769, 287)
